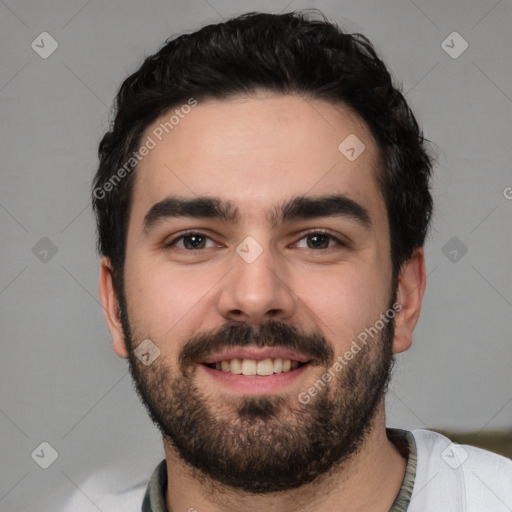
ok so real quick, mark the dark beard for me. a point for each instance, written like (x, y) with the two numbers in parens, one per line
(265, 444)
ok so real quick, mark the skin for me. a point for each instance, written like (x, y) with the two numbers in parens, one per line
(258, 152)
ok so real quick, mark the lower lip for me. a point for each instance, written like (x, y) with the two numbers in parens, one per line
(255, 384)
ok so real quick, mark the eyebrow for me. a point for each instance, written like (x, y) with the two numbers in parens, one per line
(297, 208)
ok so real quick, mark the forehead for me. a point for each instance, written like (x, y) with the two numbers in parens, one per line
(256, 152)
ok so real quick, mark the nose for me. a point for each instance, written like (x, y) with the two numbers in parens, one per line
(257, 291)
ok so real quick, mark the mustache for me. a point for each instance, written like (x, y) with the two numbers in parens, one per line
(272, 334)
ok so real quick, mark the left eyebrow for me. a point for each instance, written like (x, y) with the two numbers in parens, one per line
(295, 209)
(306, 208)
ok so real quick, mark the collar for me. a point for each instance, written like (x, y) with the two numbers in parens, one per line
(154, 499)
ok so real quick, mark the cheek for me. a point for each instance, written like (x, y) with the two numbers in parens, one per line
(162, 298)
(344, 299)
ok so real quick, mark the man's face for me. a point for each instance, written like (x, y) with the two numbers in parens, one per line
(274, 278)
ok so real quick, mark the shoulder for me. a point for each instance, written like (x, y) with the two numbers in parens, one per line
(113, 489)
(459, 477)
(437, 448)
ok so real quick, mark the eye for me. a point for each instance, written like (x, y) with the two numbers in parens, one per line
(191, 241)
(319, 240)
(196, 241)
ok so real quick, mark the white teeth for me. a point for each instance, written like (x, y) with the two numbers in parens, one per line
(236, 366)
(265, 367)
(262, 367)
(248, 367)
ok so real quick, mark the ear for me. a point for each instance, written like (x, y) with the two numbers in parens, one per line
(411, 287)
(111, 308)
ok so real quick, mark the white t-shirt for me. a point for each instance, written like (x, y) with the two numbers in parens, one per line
(449, 478)
(459, 478)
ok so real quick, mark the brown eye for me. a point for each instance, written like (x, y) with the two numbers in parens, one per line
(319, 240)
(194, 241)
(191, 242)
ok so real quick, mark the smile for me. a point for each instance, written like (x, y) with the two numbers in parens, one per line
(262, 367)
(255, 370)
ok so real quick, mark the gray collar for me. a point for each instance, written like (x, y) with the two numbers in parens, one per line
(154, 499)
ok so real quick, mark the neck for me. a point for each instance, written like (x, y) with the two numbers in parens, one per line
(369, 482)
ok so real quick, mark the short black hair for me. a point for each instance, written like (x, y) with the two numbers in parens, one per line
(291, 53)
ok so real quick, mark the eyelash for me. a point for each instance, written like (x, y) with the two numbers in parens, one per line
(312, 232)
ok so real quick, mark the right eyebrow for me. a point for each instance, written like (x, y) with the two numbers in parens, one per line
(199, 208)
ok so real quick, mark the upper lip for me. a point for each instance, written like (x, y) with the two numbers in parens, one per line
(254, 353)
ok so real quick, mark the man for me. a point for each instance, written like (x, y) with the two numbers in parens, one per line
(262, 202)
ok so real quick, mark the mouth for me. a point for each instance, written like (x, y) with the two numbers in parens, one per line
(261, 367)
(253, 370)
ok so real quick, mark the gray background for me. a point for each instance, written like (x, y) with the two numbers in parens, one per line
(61, 382)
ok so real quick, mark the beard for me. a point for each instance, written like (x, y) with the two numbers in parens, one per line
(268, 443)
